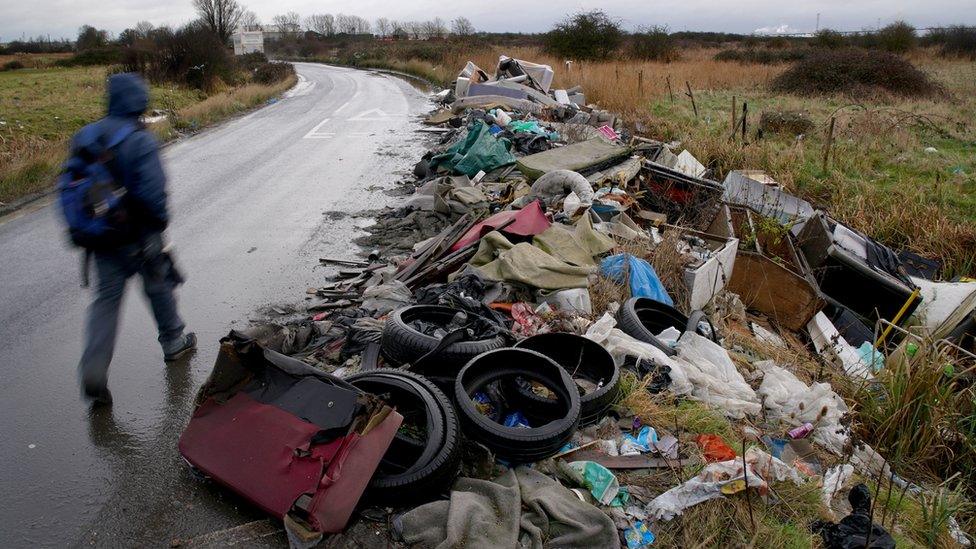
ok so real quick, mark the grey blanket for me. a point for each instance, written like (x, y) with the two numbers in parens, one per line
(520, 508)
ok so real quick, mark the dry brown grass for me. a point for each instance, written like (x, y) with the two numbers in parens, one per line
(224, 104)
(879, 179)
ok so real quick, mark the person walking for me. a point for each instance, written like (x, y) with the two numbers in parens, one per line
(113, 196)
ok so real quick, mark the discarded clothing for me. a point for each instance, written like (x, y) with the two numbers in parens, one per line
(577, 245)
(528, 221)
(498, 259)
(521, 508)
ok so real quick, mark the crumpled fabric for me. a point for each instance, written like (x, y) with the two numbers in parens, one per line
(448, 195)
(529, 221)
(478, 151)
(620, 346)
(790, 400)
(383, 298)
(576, 245)
(714, 376)
(468, 291)
(520, 508)
(709, 482)
(498, 259)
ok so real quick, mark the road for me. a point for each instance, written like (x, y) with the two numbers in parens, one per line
(253, 204)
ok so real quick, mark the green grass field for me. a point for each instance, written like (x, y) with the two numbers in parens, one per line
(39, 111)
(41, 108)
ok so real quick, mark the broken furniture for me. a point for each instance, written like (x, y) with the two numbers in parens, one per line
(299, 443)
(855, 271)
(769, 275)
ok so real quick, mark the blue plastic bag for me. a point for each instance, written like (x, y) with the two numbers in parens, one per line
(643, 279)
(645, 440)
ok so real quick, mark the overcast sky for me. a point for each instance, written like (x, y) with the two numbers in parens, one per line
(61, 18)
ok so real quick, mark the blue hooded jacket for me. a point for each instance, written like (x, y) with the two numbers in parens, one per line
(137, 163)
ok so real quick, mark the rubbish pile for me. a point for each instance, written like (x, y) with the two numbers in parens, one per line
(468, 376)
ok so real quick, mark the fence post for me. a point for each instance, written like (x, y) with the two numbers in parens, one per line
(830, 141)
(692, 96)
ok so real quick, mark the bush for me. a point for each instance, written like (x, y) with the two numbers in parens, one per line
(955, 41)
(12, 65)
(271, 73)
(898, 37)
(100, 56)
(828, 38)
(251, 61)
(854, 72)
(589, 35)
(762, 56)
(653, 43)
(191, 55)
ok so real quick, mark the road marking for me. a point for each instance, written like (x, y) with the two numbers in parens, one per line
(314, 133)
(302, 87)
(344, 105)
(373, 115)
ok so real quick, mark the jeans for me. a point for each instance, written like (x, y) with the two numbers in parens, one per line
(113, 269)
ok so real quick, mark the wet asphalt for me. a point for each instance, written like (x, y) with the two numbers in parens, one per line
(254, 203)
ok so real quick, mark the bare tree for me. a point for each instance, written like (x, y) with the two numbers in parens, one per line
(220, 16)
(362, 25)
(462, 27)
(249, 22)
(287, 22)
(351, 24)
(344, 23)
(383, 26)
(323, 24)
(398, 29)
(435, 28)
(414, 29)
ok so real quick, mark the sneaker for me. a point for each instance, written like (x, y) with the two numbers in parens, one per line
(189, 343)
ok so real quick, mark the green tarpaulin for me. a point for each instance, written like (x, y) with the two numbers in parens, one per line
(478, 151)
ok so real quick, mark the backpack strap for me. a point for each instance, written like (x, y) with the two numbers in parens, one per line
(118, 136)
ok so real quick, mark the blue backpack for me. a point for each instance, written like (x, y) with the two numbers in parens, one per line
(92, 201)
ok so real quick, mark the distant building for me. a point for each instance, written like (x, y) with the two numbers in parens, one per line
(248, 42)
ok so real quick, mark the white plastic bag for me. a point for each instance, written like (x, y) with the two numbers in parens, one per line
(790, 400)
(621, 345)
(713, 375)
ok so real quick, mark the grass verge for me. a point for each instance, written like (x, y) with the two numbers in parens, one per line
(41, 108)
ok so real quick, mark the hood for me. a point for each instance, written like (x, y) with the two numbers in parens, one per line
(128, 95)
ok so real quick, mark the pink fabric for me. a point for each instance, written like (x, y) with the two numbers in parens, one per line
(529, 221)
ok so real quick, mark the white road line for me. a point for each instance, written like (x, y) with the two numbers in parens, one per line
(315, 131)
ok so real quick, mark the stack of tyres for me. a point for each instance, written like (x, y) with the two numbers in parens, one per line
(489, 374)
